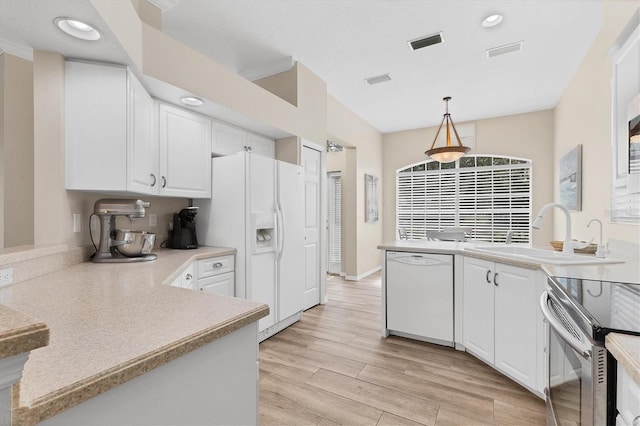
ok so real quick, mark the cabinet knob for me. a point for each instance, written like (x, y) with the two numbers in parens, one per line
(154, 180)
(487, 277)
(495, 279)
(164, 182)
(217, 265)
(189, 277)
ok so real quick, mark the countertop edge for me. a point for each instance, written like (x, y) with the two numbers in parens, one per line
(626, 350)
(70, 396)
(466, 253)
(24, 339)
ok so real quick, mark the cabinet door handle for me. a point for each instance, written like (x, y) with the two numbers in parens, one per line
(189, 277)
(217, 265)
(487, 277)
(495, 279)
(164, 182)
(154, 180)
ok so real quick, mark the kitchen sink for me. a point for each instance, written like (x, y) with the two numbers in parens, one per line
(539, 255)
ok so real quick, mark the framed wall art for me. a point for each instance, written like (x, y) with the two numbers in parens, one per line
(371, 198)
(571, 179)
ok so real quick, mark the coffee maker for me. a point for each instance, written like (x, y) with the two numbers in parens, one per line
(182, 229)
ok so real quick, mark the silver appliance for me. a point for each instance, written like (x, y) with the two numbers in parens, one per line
(581, 383)
(107, 210)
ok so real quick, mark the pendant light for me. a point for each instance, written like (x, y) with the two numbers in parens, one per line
(448, 153)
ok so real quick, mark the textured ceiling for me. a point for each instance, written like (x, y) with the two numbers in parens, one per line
(346, 41)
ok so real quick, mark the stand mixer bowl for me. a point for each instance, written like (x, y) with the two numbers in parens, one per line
(134, 243)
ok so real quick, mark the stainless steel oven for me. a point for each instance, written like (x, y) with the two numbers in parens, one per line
(581, 374)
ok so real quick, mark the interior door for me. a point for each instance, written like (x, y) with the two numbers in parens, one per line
(311, 162)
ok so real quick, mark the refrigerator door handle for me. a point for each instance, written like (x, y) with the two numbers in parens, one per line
(280, 232)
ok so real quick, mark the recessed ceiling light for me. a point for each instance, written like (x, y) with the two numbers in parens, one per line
(492, 20)
(77, 29)
(192, 101)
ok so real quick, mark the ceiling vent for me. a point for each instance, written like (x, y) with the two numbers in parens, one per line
(426, 41)
(507, 48)
(378, 79)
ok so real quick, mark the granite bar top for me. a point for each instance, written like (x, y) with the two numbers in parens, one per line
(625, 349)
(110, 323)
(20, 333)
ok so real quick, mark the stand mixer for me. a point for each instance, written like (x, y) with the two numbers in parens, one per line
(107, 210)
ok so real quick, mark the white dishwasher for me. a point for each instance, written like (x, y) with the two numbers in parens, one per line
(419, 296)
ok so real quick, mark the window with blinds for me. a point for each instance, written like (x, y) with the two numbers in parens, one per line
(489, 194)
(335, 222)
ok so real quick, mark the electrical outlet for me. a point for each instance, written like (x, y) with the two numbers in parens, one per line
(77, 222)
(153, 219)
(6, 276)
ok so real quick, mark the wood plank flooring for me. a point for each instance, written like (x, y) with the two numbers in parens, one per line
(334, 368)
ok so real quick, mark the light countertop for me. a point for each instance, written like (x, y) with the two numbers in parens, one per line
(625, 348)
(20, 333)
(112, 322)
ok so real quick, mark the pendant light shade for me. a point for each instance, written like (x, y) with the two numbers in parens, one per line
(449, 152)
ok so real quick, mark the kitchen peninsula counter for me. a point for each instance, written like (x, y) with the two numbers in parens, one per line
(110, 323)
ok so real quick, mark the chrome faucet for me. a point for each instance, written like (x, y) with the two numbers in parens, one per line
(567, 246)
(600, 248)
(509, 236)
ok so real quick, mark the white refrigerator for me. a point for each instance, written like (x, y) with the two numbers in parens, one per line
(257, 207)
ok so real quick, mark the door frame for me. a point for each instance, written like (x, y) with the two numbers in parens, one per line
(322, 214)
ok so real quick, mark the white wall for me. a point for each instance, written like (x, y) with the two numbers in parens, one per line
(583, 116)
(524, 135)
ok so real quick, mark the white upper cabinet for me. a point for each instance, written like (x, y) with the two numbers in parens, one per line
(96, 126)
(228, 140)
(118, 140)
(142, 149)
(185, 153)
(261, 145)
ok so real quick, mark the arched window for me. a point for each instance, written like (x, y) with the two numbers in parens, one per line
(489, 194)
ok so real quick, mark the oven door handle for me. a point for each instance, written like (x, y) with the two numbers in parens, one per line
(570, 339)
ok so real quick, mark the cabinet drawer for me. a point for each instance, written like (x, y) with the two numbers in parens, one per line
(215, 266)
(219, 284)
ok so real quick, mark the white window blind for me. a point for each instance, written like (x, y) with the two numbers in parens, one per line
(335, 221)
(489, 194)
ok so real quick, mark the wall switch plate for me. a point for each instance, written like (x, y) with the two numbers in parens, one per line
(153, 219)
(6, 276)
(77, 222)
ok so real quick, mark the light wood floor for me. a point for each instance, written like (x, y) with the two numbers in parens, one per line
(333, 367)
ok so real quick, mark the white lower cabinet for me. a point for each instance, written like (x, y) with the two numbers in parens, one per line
(218, 284)
(502, 324)
(212, 275)
(186, 279)
(627, 399)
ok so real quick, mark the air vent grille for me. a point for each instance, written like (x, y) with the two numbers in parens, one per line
(507, 48)
(378, 79)
(426, 41)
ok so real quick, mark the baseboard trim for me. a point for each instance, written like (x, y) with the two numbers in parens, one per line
(361, 276)
(278, 327)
